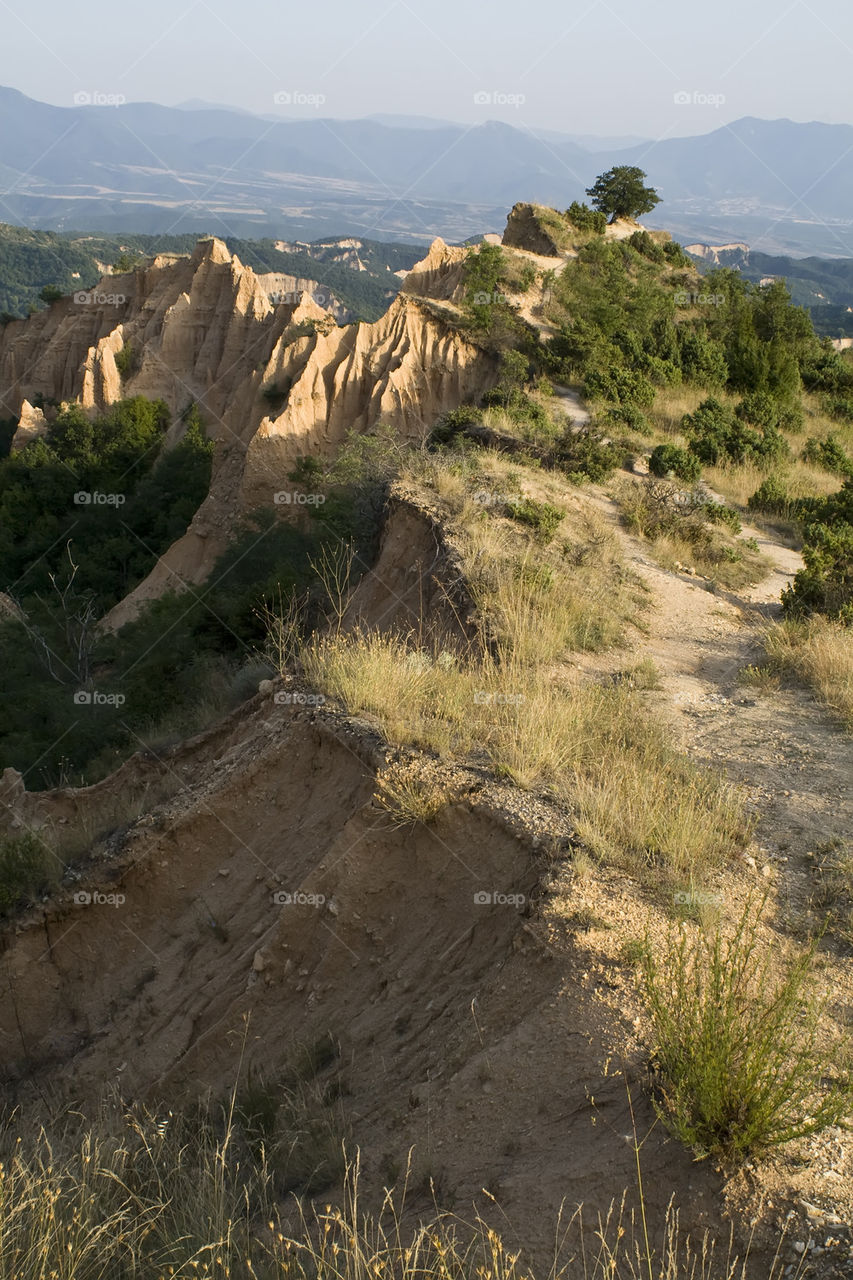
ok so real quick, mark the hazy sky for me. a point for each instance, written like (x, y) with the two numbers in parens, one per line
(605, 67)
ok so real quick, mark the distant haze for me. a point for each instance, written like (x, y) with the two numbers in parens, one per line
(605, 68)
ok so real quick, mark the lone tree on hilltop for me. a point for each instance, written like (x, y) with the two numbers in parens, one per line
(621, 193)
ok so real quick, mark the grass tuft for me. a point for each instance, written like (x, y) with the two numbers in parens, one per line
(737, 1042)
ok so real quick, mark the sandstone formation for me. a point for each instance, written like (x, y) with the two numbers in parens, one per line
(273, 381)
(525, 229)
(31, 424)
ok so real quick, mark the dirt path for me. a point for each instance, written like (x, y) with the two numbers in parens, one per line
(782, 746)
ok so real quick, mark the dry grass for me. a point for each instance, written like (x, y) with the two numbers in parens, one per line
(151, 1196)
(410, 795)
(637, 802)
(671, 404)
(575, 594)
(516, 706)
(680, 534)
(737, 484)
(820, 653)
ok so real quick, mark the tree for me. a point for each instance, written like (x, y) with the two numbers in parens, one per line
(621, 193)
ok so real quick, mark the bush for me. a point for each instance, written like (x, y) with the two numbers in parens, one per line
(717, 513)
(828, 454)
(647, 246)
(703, 360)
(630, 416)
(542, 517)
(771, 498)
(454, 422)
(585, 218)
(27, 869)
(669, 459)
(717, 435)
(586, 455)
(619, 385)
(128, 360)
(737, 1047)
(825, 584)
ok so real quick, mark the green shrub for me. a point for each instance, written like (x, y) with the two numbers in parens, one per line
(585, 218)
(825, 584)
(455, 421)
(647, 246)
(587, 455)
(703, 359)
(27, 869)
(619, 385)
(840, 407)
(718, 513)
(718, 435)
(128, 360)
(669, 459)
(828, 454)
(771, 497)
(737, 1047)
(628, 415)
(542, 517)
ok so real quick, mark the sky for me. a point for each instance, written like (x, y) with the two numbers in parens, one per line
(604, 67)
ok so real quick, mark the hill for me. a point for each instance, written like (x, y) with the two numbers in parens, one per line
(428, 739)
(782, 186)
(356, 277)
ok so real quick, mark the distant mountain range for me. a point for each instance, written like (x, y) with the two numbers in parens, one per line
(782, 187)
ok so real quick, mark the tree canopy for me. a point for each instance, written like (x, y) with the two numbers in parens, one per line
(622, 193)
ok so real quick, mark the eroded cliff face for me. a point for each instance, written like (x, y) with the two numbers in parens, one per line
(274, 381)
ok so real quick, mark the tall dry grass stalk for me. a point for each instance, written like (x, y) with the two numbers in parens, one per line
(819, 652)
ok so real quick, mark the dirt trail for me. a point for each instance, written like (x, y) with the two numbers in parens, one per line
(782, 746)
